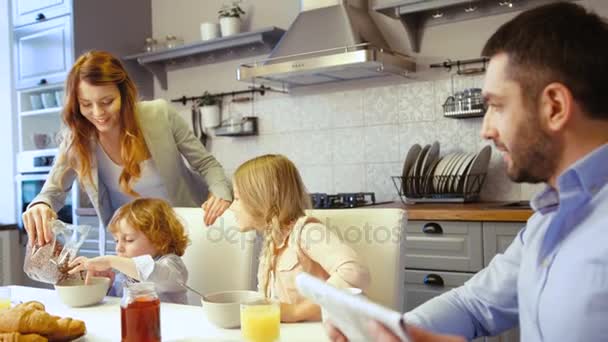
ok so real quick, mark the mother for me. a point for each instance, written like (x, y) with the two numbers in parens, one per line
(121, 149)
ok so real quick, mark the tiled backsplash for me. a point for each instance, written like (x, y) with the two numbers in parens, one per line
(356, 140)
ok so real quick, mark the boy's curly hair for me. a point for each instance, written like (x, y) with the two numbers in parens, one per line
(156, 219)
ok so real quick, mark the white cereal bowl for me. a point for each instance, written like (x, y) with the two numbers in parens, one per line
(75, 293)
(224, 308)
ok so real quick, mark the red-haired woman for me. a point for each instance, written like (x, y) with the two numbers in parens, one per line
(121, 149)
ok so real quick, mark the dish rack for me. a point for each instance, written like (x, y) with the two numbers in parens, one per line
(454, 188)
(470, 106)
(467, 103)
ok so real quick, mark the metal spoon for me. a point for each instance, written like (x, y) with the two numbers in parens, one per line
(189, 288)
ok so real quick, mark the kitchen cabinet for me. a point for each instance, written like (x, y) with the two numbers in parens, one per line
(43, 52)
(11, 255)
(32, 11)
(442, 255)
(444, 245)
(497, 236)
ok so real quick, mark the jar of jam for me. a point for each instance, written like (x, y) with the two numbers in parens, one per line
(140, 313)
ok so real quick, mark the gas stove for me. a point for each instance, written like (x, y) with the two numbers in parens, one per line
(342, 200)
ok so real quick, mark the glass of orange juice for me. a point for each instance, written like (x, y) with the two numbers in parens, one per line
(261, 321)
(5, 297)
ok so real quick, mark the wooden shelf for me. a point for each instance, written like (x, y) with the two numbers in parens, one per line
(210, 51)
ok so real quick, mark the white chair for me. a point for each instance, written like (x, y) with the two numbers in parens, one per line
(219, 257)
(378, 236)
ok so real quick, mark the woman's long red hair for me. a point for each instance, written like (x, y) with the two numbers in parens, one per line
(102, 68)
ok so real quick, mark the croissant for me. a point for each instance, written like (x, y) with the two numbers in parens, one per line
(18, 337)
(67, 330)
(31, 305)
(27, 320)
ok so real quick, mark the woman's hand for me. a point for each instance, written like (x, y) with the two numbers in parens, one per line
(214, 207)
(37, 222)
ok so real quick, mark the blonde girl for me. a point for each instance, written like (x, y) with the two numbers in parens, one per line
(150, 239)
(271, 198)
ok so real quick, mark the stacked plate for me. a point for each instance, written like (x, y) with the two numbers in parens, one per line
(455, 175)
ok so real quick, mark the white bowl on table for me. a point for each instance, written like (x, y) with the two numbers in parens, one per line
(75, 293)
(224, 308)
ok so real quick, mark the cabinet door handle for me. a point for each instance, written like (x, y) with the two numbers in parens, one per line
(42, 81)
(40, 17)
(433, 280)
(432, 228)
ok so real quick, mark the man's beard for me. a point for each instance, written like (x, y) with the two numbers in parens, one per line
(534, 155)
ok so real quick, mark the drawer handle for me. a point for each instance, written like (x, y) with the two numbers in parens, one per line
(40, 17)
(42, 81)
(433, 280)
(432, 228)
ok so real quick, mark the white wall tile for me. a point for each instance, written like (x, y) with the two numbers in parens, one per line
(416, 102)
(347, 145)
(378, 177)
(317, 178)
(286, 115)
(380, 105)
(356, 140)
(529, 191)
(382, 144)
(312, 147)
(421, 133)
(315, 112)
(346, 109)
(349, 178)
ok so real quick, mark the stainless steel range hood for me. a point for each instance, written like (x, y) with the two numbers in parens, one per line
(330, 40)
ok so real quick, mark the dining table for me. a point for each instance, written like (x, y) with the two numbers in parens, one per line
(178, 322)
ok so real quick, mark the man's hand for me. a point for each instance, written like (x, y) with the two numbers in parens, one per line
(381, 334)
(214, 207)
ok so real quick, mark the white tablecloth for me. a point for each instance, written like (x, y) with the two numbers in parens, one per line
(178, 322)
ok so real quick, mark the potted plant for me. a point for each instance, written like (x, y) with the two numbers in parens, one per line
(210, 110)
(230, 18)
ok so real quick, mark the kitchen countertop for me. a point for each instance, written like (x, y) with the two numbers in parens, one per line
(481, 211)
(4, 226)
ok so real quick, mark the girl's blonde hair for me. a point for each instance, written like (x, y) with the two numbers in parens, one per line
(271, 190)
(157, 220)
(102, 68)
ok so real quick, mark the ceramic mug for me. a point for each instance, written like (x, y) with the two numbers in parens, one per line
(48, 99)
(209, 31)
(36, 101)
(59, 97)
(41, 140)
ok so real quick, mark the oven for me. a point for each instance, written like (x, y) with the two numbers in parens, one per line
(33, 169)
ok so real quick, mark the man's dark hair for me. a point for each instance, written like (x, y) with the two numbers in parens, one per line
(560, 42)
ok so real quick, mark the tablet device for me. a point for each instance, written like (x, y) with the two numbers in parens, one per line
(350, 313)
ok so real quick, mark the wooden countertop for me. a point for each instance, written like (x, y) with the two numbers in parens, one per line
(482, 211)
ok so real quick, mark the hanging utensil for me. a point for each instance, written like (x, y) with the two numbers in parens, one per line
(197, 125)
